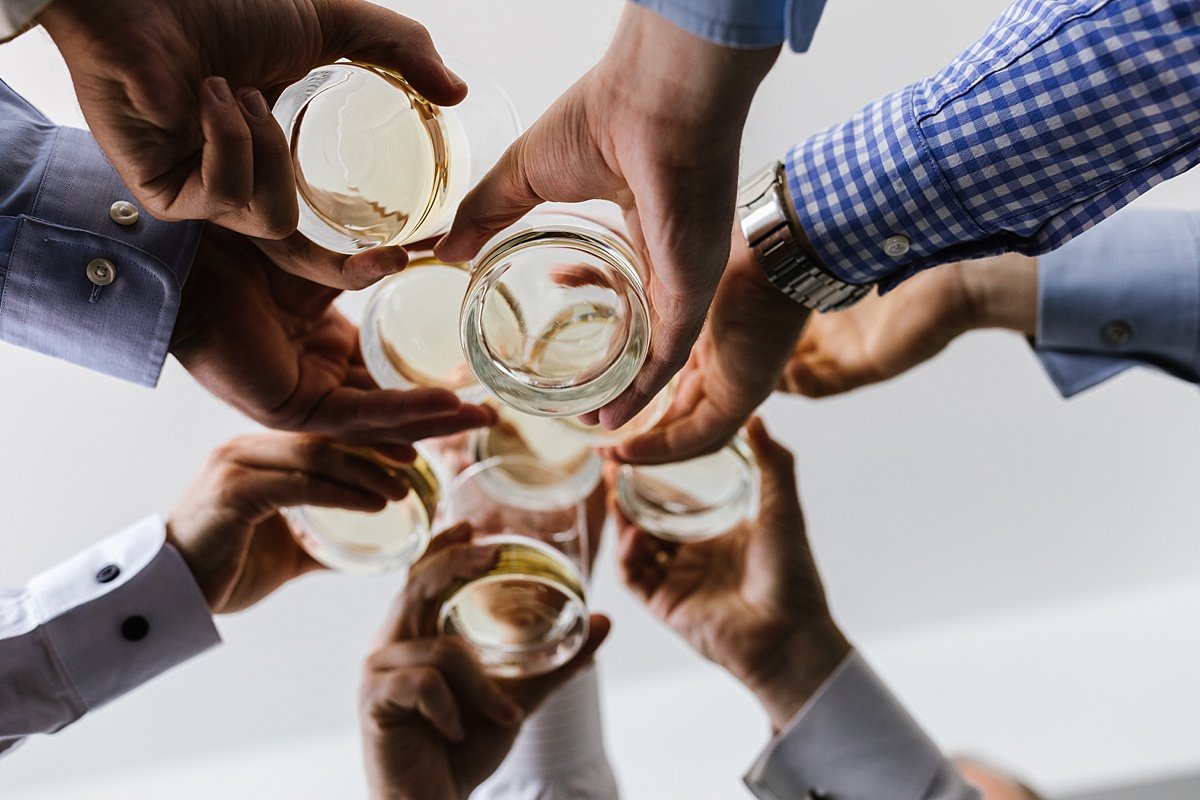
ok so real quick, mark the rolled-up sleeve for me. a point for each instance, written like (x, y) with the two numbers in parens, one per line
(61, 207)
(18, 16)
(744, 23)
(1064, 112)
(1125, 294)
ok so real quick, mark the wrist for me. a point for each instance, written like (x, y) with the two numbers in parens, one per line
(1001, 292)
(802, 663)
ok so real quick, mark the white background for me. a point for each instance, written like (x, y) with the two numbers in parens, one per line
(1023, 570)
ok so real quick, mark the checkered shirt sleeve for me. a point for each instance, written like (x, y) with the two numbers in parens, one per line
(1059, 116)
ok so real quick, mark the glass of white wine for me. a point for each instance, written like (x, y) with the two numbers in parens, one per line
(556, 320)
(528, 614)
(694, 500)
(378, 164)
(373, 542)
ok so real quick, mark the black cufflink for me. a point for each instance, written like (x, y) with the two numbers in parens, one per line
(135, 628)
(108, 573)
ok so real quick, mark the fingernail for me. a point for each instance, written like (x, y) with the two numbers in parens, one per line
(255, 104)
(509, 712)
(220, 89)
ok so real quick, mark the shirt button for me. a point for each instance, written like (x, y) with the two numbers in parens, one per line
(101, 271)
(123, 212)
(1117, 332)
(135, 628)
(108, 573)
(897, 246)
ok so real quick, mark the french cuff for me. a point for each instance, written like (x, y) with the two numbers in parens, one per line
(93, 278)
(119, 614)
(851, 741)
(18, 16)
(874, 203)
(1126, 293)
(731, 23)
(559, 752)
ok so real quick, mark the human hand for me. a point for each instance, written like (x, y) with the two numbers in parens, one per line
(173, 91)
(273, 346)
(228, 527)
(434, 725)
(750, 600)
(882, 337)
(736, 364)
(656, 126)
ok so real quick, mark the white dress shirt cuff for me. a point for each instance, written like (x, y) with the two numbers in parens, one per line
(95, 627)
(854, 741)
(559, 753)
(18, 16)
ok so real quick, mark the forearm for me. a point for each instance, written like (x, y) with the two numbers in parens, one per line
(94, 628)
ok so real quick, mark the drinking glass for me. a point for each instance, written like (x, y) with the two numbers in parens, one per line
(528, 614)
(693, 500)
(378, 164)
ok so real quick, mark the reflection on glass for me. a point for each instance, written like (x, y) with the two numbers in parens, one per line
(409, 335)
(528, 614)
(378, 164)
(363, 542)
(690, 501)
(548, 441)
(556, 321)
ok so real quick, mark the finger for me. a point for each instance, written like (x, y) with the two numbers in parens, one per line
(322, 458)
(273, 205)
(780, 498)
(454, 535)
(261, 492)
(503, 196)
(435, 426)
(300, 256)
(704, 430)
(470, 684)
(422, 689)
(378, 36)
(226, 160)
(346, 411)
(432, 579)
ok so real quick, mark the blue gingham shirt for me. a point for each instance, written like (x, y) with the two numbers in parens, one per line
(56, 189)
(1065, 111)
(1138, 271)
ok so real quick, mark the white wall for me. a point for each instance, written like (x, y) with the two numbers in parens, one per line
(963, 493)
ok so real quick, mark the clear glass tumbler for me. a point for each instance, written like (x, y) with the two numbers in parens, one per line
(386, 540)
(556, 320)
(546, 440)
(378, 164)
(528, 615)
(694, 500)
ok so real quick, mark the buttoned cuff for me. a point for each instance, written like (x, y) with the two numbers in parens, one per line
(81, 285)
(559, 753)
(854, 741)
(114, 617)
(743, 23)
(18, 16)
(1124, 294)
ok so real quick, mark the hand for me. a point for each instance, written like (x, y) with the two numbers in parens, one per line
(750, 600)
(655, 126)
(228, 527)
(272, 345)
(881, 337)
(157, 80)
(735, 365)
(435, 726)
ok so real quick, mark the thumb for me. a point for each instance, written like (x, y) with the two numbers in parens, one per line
(503, 196)
(372, 34)
(779, 512)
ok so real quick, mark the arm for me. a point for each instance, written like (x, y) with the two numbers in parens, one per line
(1059, 116)
(752, 602)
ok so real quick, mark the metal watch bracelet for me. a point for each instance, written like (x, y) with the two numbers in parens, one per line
(762, 214)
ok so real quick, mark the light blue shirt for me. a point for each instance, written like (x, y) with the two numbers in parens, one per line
(56, 191)
(744, 23)
(1125, 294)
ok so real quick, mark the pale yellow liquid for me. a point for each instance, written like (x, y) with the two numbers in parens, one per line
(418, 326)
(544, 439)
(526, 616)
(375, 161)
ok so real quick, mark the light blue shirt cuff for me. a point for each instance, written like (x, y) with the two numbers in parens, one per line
(1126, 293)
(56, 191)
(744, 23)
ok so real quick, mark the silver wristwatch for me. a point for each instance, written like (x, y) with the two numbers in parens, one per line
(762, 213)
